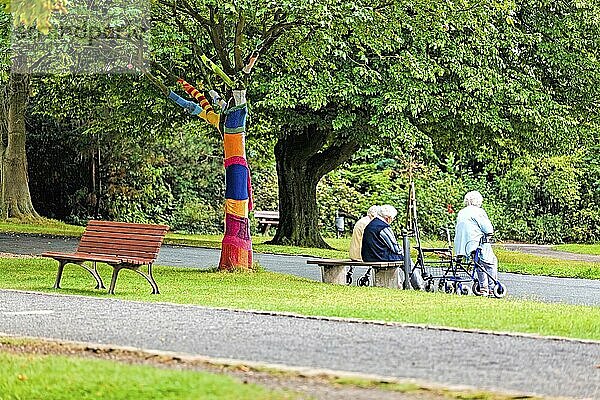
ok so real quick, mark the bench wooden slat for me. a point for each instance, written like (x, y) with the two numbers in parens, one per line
(94, 223)
(99, 241)
(328, 261)
(117, 252)
(271, 214)
(106, 230)
(149, 257)
(81, 257)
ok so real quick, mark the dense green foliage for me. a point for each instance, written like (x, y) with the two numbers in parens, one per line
(543, 199)
(495, 97)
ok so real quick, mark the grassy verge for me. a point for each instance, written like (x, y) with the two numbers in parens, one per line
(277, 292)
(40, 226)
(593, 249)
(58, 377)
(509, 261)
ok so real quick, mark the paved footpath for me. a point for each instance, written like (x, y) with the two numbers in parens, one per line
(526, 365)
(547, 289)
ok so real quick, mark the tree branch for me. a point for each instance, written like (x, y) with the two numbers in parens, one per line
(239, 35)
(333, 156)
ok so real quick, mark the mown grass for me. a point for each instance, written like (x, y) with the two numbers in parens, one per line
(593, 249)
(40, 226)
(278, 292)
(58, 377)
(509, 261)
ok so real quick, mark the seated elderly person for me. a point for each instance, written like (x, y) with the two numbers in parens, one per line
(472, 224)
(379, 243)
(357, 233)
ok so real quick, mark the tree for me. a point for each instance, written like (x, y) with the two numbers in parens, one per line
(15, 199)
(419, 76)
(228, 26)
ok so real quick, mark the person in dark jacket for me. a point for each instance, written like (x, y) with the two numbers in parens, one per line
(379, 242)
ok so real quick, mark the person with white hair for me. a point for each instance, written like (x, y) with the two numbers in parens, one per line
(473, 225)
(379, 242)
(357, 232)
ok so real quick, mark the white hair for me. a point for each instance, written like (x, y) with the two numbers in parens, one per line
(373, 211)
(473, 198)
(388, 211)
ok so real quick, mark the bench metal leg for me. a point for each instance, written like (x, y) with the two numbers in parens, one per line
(113, 279)
(92, 271)
(95, 274)
(149, 278)
(61, 267)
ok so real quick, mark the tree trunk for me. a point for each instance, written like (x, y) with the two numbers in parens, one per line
(3, 140)
(302, 159)
(236, 246)
(16, 198)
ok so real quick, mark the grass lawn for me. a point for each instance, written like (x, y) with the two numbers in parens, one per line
(58, 377)
(278, 292)
(593, 249)
(511, 261)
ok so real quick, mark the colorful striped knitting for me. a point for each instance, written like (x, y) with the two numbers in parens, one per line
(236, 247)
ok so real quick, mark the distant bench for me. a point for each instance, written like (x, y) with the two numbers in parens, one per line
(118, 244)
(266, 219)
(385, 274)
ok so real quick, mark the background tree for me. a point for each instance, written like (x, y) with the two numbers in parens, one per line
(15, 199)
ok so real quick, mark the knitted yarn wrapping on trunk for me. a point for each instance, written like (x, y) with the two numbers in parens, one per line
(236, 247)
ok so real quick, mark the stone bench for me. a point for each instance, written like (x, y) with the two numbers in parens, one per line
(385, 274)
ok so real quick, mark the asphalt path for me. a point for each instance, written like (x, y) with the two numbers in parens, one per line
(526, 365)
(542, 288)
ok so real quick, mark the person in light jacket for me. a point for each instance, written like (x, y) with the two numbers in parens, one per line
(357, 232)
(472, 225)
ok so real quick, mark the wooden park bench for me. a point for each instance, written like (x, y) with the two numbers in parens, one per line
(118, 244)
(385, 273)
(266, 219)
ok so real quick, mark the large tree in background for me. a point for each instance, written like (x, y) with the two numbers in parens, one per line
(15, 199)
(452, 77)
(447, 76)
(30, 17)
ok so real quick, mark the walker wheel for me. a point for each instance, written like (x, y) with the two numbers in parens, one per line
(449, 287)
(363, 281)
(464, 290)
(430, 286)
(499, 291)
(476, 288)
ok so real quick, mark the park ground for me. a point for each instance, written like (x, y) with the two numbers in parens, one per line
(322, 386)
